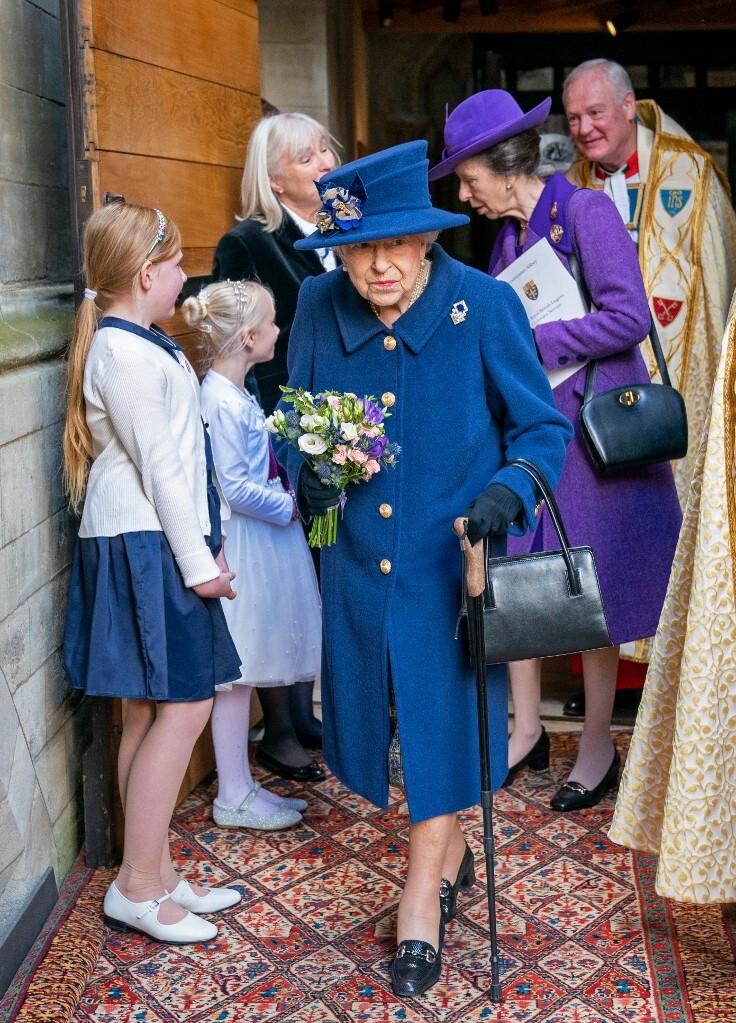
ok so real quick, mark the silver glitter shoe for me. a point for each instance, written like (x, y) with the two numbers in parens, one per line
(286, 801)
(243, 817)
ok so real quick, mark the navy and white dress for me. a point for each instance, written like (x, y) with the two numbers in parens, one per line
(135, 627)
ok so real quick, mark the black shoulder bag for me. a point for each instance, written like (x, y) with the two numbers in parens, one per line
(541, 604)
(640, 424)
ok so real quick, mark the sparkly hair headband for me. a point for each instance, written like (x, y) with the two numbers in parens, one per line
(241, 294)
(161, 230)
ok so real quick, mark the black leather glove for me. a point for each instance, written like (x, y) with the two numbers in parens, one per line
(492, 512)
(315, 496)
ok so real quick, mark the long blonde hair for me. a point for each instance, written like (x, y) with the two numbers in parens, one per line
(221, 311)
(275, 142)
(118, 239)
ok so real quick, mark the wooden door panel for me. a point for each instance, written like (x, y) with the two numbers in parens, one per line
(218, 118)
(249, 7)
(194, 37)
(198, 262)
(202, 199)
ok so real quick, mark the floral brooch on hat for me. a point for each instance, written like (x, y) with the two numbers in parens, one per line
(341, 207)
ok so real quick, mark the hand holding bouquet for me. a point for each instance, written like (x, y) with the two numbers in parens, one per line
(343, 439)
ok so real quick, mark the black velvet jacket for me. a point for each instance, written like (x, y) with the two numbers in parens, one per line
(249, 252)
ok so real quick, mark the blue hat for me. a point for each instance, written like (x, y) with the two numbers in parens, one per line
(384, 195)
(481, 121)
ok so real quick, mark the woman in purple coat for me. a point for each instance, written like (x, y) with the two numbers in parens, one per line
(631, 520)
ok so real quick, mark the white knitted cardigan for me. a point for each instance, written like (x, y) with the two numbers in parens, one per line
(149, 469)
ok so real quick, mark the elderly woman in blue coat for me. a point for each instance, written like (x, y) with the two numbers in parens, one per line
(449, 352)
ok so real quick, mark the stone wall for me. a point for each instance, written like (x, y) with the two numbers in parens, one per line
(42, 727)
(313, 60)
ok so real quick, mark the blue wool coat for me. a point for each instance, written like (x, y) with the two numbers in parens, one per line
(468, 398)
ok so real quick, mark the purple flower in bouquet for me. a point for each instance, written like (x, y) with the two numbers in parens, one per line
(373, 412)
(376, 449)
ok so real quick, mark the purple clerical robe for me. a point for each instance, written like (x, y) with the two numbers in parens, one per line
(632, 519)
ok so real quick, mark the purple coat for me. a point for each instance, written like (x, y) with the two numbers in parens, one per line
(631, 520)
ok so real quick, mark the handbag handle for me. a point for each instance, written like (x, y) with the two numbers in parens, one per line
(653, 335)
(554, 512)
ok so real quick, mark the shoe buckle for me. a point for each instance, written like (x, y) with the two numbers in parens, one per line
(429, 955)
(445, 888)
(154, 904)
(149, 909)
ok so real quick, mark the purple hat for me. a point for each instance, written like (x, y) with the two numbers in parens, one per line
(481, 121)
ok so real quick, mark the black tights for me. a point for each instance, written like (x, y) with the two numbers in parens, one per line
(287, 709)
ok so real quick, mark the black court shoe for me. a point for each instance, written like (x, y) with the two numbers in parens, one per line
(416, 966)
(537, 759)
(448, 892)
(574, 796)
(309, 772)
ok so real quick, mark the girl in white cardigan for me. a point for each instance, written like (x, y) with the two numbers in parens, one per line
(144, 619)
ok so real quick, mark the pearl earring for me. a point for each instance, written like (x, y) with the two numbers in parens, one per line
(508, 185)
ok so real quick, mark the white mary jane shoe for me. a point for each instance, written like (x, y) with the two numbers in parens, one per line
(123, 915)
(215, 899)
(243, 817)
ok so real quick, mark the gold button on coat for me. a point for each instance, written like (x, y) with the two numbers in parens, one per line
(388, 399)
(389, 343)
(385, 566)
(386, 511)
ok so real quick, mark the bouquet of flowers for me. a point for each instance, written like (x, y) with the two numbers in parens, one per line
(343, 438)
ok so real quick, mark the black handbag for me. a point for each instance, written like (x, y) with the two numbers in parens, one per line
(641, 424)
(542, 604)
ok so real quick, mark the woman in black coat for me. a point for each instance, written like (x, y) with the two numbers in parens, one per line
(286, 154)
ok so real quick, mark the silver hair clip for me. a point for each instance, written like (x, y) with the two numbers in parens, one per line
(241, 293)
(161, 230)
(206, 328)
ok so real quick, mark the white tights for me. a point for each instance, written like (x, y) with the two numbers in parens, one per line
(230, 722)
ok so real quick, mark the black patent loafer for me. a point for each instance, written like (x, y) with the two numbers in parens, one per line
(465, 880)
(574, 796)
(574, 706)
(309, 772)
(537, 759)
(416, 967)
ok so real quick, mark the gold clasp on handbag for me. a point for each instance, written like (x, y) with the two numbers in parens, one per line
(629, 398)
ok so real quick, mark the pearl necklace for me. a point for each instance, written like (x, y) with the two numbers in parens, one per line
(419, 285)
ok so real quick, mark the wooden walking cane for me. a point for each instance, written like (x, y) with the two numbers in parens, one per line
(475, 584)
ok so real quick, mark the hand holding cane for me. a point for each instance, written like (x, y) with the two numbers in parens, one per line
(475, 582)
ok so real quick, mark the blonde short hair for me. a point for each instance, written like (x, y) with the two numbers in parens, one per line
(276, 141)
(221, 311)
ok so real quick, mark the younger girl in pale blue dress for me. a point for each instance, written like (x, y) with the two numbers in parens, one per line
(276, 621)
